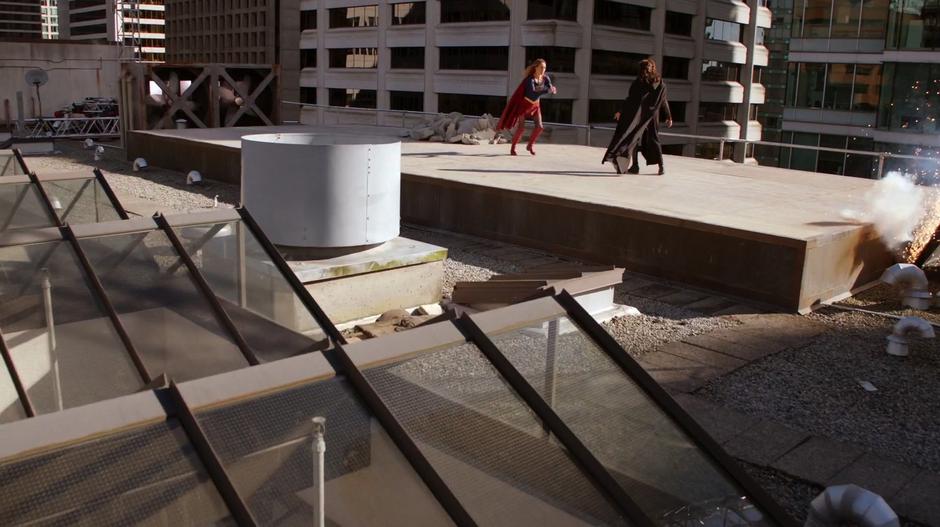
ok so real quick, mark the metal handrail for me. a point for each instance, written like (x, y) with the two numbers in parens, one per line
(882, 156)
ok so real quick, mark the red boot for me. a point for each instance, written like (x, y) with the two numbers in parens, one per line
(515, 139)
(535, 135)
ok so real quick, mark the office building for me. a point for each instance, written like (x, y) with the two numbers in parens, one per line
(20, 20)
(138, 24)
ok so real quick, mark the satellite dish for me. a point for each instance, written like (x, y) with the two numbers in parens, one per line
(37, 77)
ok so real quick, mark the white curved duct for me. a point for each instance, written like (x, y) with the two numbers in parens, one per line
(908, 327)
(850, 505)
(913, 283)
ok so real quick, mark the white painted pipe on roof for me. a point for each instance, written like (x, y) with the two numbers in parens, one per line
(903, 330)
(913, 283)
(850, 505)
(319, 476)
(140, 164)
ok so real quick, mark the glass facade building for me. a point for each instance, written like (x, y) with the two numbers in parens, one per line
(858, 76)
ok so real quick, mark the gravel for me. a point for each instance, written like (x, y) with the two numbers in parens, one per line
(166, 187)
(817, 388)
(886, 299)
(792, 494)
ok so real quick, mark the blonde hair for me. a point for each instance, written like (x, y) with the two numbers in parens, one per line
(530, 70)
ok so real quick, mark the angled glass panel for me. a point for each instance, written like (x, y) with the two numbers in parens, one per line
(267, 446)
(10, 407)
(8, 164)
(168, 320)
(64, 347)
(654, 461)
(251, 289)
(21, 207)
(78, 201)
(484, 441)
(148, 475)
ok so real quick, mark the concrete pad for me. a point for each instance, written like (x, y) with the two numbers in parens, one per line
(877, 474)
(395, 253)
(707, 357)
(720, 423)
(744, 347)
(654, 291)
(711, 304)
(919, 500)
(677, 374)
(765, 442)
(683, 297)
(818, 459)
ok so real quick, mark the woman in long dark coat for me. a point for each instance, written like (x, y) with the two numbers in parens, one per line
(638, 122)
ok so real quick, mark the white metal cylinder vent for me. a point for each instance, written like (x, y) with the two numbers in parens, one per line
(323, 191)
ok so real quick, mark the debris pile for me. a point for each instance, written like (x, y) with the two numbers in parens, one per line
(456, 128)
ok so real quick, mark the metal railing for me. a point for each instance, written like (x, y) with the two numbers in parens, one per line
(70, 128)
(722, 141)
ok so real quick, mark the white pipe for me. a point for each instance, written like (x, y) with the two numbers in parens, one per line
(50, 333)
(913, 283)
(905, 328)
(319, 445)
(850, 505)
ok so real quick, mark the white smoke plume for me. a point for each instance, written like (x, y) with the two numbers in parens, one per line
(896, 207)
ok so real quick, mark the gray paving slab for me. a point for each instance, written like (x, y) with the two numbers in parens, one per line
(722, 424)
(743, 346)
(818, 459)
(919, 500)
(632, 283)
(654, 291)
(765, 442)
(711, 304)
(704, 356)
(677, 374)
(877, 474)
(683, 297)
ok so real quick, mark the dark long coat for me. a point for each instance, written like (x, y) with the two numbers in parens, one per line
(638, 126)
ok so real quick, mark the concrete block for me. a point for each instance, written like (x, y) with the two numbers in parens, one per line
(722, 424)
(703, 356)
(683, 297)
(818, 459)
(919, 500)
(877, 474)
(677, 374)
(765, 442)
(744, 346)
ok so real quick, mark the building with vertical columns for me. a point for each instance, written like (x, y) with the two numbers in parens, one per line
(863, 76)
(135, 23)
(20, 20)
(452, 55)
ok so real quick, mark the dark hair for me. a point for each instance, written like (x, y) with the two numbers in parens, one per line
(648, 71)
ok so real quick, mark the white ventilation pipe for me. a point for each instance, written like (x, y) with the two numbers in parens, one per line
(903, 330)
(913, 283)
(193, 178)
(99, 153)
(850, 505)
(140, 164)
(319, 479)
(89, 143)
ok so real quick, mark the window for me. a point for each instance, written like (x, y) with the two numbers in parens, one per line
(873, 19)
(559, 59)
(553, 10)
(914, 24)
(804, 158)
(363, 16)
(406, 100)
(715, 71)
(678, 23)
(308, 58)
(678, 110)
(407, 58)
(675, 68)
(409, 13)
(839, 86)
(308, 20)
(352, 98)
(831, 162)
(474, 58)
(712, 151)
(354, 58)
(557, 110)
(476, 11)
(604, 62)
(910, 101)
(758, 75)
(722, 30)
(865, 93)
(89, 30)
(809, 85)
(308, 95)
(858, 165)
(470, 104)
(609, 13)
(716, 112)
(603, 110)
(845, 19)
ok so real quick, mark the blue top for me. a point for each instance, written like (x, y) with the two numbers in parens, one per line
(534, 90)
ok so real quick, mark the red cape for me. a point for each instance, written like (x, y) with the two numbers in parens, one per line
(515, 109)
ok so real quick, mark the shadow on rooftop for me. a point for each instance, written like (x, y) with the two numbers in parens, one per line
(548, 172)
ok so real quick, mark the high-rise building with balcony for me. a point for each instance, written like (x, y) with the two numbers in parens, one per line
(452, 55)
(135, 23)
(50, 19)
(863, 76)
(20, 20)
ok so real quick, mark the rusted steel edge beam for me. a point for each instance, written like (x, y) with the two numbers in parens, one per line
(112, 197)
